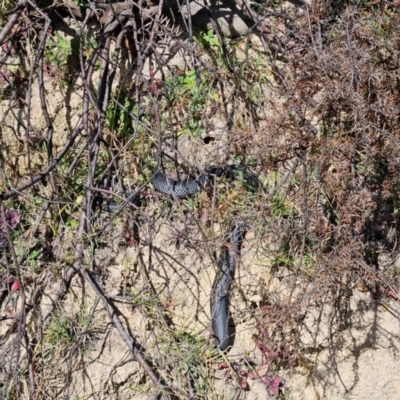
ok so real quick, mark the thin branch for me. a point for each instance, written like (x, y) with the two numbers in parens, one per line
(13, 19)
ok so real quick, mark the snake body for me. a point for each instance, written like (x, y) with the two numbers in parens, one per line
(180, 189)
(112, 206)
(230, 251)
(190, 186)
(229, 255)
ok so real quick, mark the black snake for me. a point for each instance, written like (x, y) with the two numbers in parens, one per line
(230, 251)
(190, 186)
(228, 257)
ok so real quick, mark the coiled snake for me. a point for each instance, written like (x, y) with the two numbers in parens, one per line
(230, 251)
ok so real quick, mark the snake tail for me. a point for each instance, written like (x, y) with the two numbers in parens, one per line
(227, 261)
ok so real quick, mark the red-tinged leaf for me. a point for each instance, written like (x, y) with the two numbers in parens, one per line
(273, 391)
(265, 380)
(276, 381)
(272, 355)
(251, 376)
(15, 286)
(222, 365)
(273, 388)
(263, 370)
(243, 373)
(262, 347)
(13, 218)
(243, 382)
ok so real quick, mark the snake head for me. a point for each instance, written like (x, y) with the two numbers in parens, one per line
(227, 171)
(97, 202)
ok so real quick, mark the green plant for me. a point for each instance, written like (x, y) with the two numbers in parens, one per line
(118, 119)
(208, 39)
(5, 6)
(67, 329)
(281, 206)
(60, 331)
(190, 359)
(191, 90)
(58, 49)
